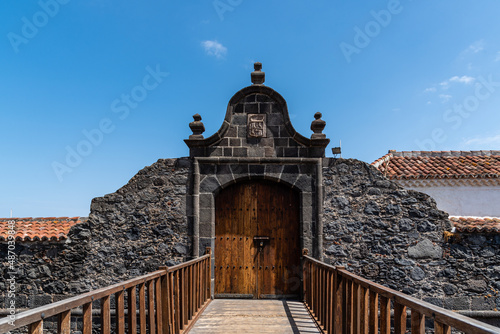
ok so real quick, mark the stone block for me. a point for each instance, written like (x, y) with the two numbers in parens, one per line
(224, 142)
(209, 185)
(232, 131)
(206, 200)
(214, 151)
(457, 303)
(206, 215)
(265, 108)
(425, 249)
(280, 141)
(235, 142)
(482, 304)
(238, 109)
(304, 183)
(240, 152)
(225, 179)
(251, 98)
(242, 131)
(256, 152)
(239, 119)
(207, 230)
(275, 119)
(263, 98)
(251, 108)
(256, 170)
(228, 151)
(291, 152)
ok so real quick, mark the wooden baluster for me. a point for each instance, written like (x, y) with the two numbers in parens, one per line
(159, 308)
(326, 291)
(338, 301)
(399, 318)
(373, 325)
(165, 313)
(349, 307)
(64, 323)
(355, 307)
(184, 296)
(321, 310)
(132, 310)
(385, 315)
(105, 315)
(36, 327)
(177, 307)
(87, 318)
(171, 302)
(142, 308)
(440, 328)
(120, 312)
(191, 292)
(344, 305)
(151, 307)
(364, 312)
(417, 322)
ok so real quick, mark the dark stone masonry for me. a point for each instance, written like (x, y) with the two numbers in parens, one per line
(350, 215)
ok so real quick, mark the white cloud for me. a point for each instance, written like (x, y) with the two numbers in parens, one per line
(445, 98)
(491, 142)
(430, 90)
(214, 48)
(476, 47)
(463, 79)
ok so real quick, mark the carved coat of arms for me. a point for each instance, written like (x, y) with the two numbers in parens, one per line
(256, 125)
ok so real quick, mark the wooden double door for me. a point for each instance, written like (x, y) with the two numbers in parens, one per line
(257, 245)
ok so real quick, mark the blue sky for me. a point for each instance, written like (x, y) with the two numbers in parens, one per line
(404, 75)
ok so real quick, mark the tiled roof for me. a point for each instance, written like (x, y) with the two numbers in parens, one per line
(439, 164)
(33, 229)
(476, 224)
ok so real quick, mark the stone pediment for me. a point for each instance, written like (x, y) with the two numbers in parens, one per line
(257, 124)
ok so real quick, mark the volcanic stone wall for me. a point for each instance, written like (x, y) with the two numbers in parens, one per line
(395, 237)
(129, 233)
(374, 227)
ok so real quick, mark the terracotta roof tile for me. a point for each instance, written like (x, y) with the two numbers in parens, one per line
(34, 229)
(476, 224)
(439, 164)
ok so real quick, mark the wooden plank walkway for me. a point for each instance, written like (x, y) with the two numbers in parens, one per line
(254, 316)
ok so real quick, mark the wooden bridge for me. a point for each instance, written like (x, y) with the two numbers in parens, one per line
(178, 300)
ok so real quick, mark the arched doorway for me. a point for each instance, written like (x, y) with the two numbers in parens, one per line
(257, 244)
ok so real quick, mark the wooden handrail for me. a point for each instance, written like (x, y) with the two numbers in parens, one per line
(352, 303)
(159, 286)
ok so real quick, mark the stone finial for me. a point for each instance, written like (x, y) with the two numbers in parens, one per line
(258, 77)
(317, 127)
(197, 127)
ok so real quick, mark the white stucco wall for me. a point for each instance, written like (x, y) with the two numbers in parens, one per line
(465, 200)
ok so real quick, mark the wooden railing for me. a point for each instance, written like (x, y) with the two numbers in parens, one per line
(166, 301)
(342, 302)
